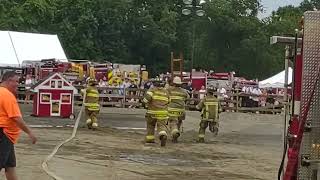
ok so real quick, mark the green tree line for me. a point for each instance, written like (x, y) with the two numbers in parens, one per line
(230, 37)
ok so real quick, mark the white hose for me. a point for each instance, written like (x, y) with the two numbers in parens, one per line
(55, 150)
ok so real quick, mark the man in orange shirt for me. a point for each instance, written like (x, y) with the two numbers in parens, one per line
(10, 124)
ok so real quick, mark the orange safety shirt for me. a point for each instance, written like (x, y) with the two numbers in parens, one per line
(9, 109)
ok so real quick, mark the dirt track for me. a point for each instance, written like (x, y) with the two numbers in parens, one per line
(248, 147)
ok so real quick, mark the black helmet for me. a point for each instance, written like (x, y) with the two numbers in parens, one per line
(92, 82)
(212, 90)
(156, 83)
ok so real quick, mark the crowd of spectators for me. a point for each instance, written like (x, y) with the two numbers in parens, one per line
(250, 96)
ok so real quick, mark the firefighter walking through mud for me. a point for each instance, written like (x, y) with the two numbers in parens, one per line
(176, 108)
(210, 109)
(92, 106)
(156, 101)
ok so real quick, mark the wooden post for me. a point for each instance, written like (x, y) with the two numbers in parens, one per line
(237, 104)
(273, 109)
(172, 64)
(124, 97)
(181, 65)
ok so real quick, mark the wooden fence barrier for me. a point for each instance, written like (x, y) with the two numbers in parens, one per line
(131, 97)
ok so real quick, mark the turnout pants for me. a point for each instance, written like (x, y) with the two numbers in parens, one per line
(91, 117)
(212, 124)
(152, 123)
(175, 124)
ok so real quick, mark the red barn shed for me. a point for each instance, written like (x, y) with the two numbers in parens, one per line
(54, 97)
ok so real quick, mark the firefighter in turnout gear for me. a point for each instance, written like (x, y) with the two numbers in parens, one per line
(176, 109)
(210, 109)
(92, 106)
(156, 101)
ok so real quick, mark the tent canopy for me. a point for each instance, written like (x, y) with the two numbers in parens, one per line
(276, 81)
(16, 47)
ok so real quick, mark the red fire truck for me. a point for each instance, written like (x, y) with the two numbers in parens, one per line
(301, 158)
(224, 80)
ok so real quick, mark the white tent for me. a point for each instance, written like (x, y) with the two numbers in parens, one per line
(16, 47)
(276, 81)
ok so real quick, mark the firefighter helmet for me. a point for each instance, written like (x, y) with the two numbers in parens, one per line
(177, 80)
(157, 83)
(211, 90)
(92, 82)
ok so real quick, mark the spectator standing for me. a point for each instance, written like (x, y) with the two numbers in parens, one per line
(147, 85)
(28, 84)
(256, 93)
(222, 93)
(126, 83)
(189, 89)
(22, 88)
(103, 83)
(202, 92)
(11, 123)
(133, 85)
(263, 98)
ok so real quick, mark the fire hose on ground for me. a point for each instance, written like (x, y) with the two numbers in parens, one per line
(55, 150)
(75, 128)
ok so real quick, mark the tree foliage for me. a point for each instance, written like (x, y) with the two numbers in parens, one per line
(230, 37)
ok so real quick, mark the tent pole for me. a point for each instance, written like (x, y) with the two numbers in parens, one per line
(286, 76)
(285, 98)
(15, 52)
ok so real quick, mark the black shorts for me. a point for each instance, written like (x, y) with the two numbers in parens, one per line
(7, 154)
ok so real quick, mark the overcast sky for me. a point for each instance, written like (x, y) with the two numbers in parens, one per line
(271, 5)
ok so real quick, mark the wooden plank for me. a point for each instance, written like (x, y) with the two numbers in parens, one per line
(23, 101)
(191, 103)
(132, 104)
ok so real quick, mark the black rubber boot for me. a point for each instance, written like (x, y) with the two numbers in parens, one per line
(175, 137)
(216, 130)
(201, 140)
(163, 140)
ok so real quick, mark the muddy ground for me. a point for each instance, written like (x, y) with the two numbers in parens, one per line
(249, 146)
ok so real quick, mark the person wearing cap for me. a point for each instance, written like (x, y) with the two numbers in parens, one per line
(11, 124)
(210, 108)
(156, 102)
(176, 108)
(91, 104)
